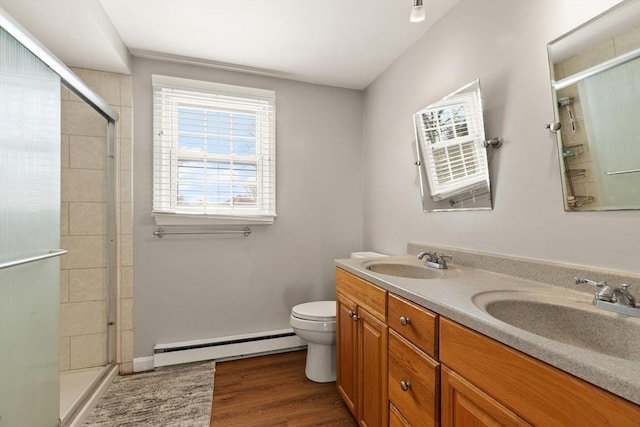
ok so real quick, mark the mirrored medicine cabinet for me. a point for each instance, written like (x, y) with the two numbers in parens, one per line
(595, 79)
(451, 152)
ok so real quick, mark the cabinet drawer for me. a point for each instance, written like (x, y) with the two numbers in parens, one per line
(415, 323)
(395, 418)
(540, 393)
(370, 297)
(414, 382)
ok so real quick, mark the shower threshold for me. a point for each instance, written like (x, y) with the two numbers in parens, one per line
(78, 388)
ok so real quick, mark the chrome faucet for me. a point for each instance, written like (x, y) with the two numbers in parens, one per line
(432, 256)
(603, 291)
(434, 260)
(623, 296)
(618, 300)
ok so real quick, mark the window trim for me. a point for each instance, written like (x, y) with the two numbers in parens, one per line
(165, 177)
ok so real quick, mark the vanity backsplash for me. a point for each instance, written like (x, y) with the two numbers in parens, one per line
(556, 274)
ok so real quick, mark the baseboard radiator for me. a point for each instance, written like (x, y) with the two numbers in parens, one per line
(232, 347)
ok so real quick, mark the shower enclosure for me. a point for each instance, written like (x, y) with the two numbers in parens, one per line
(55, 312)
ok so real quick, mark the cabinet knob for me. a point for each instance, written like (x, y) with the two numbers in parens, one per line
(351, 313)
(404, 321)
(405, 385)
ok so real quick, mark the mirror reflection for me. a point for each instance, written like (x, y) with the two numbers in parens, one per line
(452, 159)
(595, 74)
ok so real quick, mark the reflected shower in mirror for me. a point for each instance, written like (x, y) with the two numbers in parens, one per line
(595, 76)
(451, 153)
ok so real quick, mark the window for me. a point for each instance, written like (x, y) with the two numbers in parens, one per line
(214, 153)
(452, 142)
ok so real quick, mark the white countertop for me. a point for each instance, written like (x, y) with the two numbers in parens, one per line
(452, 293)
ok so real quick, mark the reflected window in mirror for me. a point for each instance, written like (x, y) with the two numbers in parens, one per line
(452, 159)
(595, 73)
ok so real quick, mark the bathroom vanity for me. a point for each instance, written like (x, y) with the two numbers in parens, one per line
(428, 352)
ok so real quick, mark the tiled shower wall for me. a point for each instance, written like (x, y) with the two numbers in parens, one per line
(83, 297)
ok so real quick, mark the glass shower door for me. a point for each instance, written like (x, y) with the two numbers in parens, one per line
(29, 238)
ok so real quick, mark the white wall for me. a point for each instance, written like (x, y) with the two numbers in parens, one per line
(504, 44)
(191, 287)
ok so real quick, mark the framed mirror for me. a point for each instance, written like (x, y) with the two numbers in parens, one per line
(595, 78)
(451, 153)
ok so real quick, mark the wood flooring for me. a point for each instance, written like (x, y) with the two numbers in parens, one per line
(270, 391)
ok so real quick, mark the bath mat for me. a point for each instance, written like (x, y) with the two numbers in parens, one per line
(176, 396)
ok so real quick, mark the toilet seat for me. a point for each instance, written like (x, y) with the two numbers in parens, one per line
(319, 311)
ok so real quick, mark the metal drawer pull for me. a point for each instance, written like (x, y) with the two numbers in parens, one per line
(405, 385)
(404, 321)
(52, 253)
(353, 315)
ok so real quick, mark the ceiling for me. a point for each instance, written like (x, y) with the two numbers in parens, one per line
(344, 43)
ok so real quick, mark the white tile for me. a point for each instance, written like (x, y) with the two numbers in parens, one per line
(83, 185)
(64, 219)
(87, 218)
(126, 280)
(105, 84)
(126, 250)
(82, 318)
(126, 91)
(127, 346)
(124, 149)
(126, 223)
(88, 284)
(88, 351)
(64, 286)
(84, 252)
(64, 353)
(64, 151)
(78, 118)
(127, 314)
(87, 152)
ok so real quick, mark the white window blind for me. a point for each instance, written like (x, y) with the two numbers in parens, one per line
(452, 136)
(214, 152)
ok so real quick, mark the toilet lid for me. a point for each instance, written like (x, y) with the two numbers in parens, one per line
(318, 310)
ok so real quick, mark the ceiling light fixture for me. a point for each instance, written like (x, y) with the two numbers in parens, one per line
(417, 12)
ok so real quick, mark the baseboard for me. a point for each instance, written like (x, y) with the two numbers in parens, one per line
(141, 364)
(237, 346)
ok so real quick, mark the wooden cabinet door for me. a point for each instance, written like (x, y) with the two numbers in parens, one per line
(373, 408)
(346, 352)
(464, 405)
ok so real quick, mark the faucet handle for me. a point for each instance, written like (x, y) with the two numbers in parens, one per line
(442, 260)
(624, 292)
(603, 291)
(580, 280)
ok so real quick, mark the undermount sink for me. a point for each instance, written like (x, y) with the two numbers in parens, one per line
(566, 320)
(410, 271)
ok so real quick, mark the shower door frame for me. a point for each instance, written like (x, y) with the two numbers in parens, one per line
(74, 84)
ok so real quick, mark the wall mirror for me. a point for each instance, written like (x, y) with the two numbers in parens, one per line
(451, 153)
(595, 77)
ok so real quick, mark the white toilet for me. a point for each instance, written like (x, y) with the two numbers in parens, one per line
(315, 322)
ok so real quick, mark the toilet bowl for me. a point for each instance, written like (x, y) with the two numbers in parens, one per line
(315, 322)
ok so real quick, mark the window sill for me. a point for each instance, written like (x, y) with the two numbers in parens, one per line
(217, 220)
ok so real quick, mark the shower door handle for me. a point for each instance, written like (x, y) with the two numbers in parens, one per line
(51, 254)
